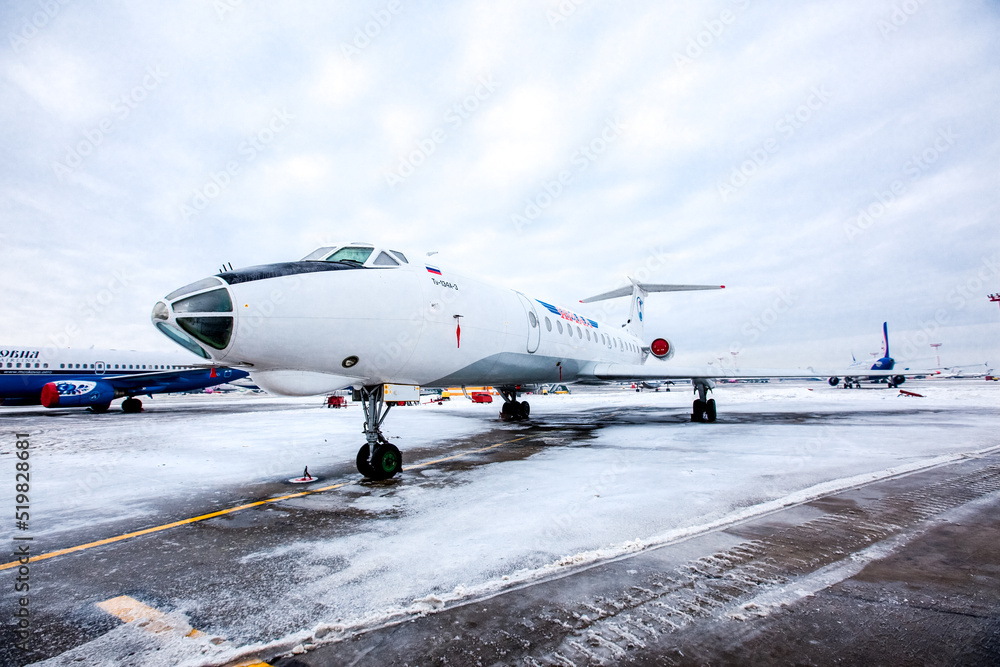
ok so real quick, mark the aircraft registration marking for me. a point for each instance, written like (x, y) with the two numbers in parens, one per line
(238, 508)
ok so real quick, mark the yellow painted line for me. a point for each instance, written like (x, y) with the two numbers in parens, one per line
(212, 515)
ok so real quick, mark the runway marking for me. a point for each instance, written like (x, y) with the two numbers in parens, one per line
(238, 508)
(129, 609)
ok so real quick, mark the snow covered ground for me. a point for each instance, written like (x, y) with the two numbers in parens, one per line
(597, 474)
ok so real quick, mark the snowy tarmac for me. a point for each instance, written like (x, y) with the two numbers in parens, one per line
(483, 511)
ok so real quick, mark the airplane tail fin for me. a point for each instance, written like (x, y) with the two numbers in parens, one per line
(885, 337)
(638, 292)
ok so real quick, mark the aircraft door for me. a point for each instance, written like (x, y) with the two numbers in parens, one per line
(534, 325)
(99, 368)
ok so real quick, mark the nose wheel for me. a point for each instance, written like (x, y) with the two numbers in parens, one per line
(378, 458)
(385, 463)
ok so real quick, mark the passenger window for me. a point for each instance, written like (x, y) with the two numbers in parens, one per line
(60, 365)
(18, 365)
(383, 259)
(559, 326)
(588, 334)
(532, 319)
(579, 332)
(548, 324)
(45, 365)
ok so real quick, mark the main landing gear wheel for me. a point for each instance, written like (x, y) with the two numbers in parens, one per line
(698, 410)
(377, 459)
(512, 409)
(98, 409)
(131, 405)
(710, 413)
(703, 409)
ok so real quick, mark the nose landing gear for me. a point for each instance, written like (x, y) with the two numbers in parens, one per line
(378, 458)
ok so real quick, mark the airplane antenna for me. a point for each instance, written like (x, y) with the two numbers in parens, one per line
(230, 266)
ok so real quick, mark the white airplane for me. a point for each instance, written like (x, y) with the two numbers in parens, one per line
(358, 315)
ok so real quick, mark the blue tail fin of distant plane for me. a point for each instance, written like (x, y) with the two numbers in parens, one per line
(886, 363)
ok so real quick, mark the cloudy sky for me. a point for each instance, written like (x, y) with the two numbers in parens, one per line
(834, 164)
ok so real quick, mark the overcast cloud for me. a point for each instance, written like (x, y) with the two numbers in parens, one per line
(834, 164)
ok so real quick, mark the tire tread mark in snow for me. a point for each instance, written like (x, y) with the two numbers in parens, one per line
(705, 587)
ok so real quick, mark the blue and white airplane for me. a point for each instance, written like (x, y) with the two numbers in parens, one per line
(66, 378)
(885, 363)
(377, 319)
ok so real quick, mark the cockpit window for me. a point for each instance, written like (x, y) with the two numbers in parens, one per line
(216, 301)
(383, 259)
(400, 255)
(318, 255)
(204, 283)
(351, 254)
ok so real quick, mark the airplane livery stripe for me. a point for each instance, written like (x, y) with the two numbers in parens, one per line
(567, 315)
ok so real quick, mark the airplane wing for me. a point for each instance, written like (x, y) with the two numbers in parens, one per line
(605, 371)
(139, 380)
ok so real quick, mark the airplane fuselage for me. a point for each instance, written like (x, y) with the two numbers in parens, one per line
(408, 324)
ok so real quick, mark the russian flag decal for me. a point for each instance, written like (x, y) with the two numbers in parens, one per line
(431, 269)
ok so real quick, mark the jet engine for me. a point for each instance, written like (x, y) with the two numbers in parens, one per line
(898, 379)
(834, 381)
(661, 348)
(77, 393)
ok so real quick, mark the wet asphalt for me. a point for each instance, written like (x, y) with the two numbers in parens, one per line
(898, 572)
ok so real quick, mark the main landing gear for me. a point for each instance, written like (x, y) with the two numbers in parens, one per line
(512, 409)
(378, 458)
(131, 405)
(703, 410)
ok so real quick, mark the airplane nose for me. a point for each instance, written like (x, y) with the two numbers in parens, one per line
(198, 317)
(160, 311)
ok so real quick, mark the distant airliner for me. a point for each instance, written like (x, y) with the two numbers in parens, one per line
(374, 318)
(67, 378)
(886, 363)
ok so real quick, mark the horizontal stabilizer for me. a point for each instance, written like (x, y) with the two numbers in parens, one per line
(649, 287)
